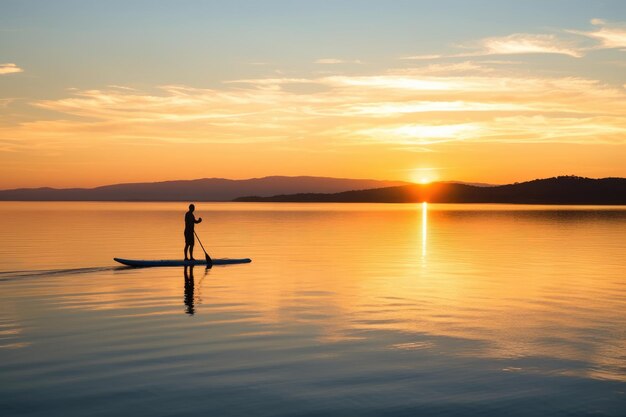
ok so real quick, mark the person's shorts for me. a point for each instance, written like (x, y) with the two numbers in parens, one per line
(189, 237)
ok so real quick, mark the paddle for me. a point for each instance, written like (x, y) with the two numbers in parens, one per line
(209, 262)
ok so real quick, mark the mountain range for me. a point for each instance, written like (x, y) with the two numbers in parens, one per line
(557, 190)
(206, 189)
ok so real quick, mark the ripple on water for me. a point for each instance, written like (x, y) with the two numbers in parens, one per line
(516, 314)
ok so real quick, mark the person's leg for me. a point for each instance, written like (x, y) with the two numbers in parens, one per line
(189, 241)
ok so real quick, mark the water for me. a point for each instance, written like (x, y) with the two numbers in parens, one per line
(346, 310)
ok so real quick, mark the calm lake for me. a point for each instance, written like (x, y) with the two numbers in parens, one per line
(345, 310)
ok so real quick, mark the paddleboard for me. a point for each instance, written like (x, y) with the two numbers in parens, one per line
(180, 262)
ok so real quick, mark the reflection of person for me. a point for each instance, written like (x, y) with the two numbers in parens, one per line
(189, 288)
(190, 222)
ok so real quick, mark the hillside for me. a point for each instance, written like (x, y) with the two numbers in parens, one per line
(557, 190)
(207, 189)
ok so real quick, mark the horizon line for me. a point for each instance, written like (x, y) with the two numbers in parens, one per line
(468, 182)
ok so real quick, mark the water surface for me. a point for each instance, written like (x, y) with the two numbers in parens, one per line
(346, 310)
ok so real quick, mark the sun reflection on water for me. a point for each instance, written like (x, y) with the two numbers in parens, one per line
(497, 281)
(424, 227)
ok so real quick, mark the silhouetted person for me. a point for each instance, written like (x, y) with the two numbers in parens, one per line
(189, 287)
(190, 222)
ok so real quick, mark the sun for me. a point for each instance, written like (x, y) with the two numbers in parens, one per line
(424, 175)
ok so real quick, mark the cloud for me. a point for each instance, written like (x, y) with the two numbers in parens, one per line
(422, 134)
(525, 43)
(271, 83)
(421, 57)
(333, 61)
(391, 81)
(9, 68)
(414, 107)
(541, 129)
(121, 87)
(513, 44)
(467, 67)
(609, 36)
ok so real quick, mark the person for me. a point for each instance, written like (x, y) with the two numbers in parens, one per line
(190, 222)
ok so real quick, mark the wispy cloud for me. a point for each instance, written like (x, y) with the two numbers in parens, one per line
(121, 87)
(526, 43)
(609, 35)
(334, 61)
(422, 57)
(421, 134)
(514, 44)
(9, 68)
(416, 107)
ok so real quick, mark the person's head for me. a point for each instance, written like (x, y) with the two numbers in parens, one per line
(192, 207)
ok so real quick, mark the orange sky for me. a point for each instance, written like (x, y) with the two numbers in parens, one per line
(505, 105)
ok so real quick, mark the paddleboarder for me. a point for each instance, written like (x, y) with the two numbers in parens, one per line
(190, 222)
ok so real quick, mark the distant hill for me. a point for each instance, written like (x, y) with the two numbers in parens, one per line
(476, 184)
(557, 190)
(207, 189)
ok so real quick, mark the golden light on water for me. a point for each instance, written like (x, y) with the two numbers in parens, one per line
(424, 227)
(453, 268)
(496, 307)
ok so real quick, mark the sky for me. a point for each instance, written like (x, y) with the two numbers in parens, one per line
(498, 91)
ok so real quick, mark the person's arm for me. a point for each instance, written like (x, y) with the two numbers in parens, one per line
(198, 221)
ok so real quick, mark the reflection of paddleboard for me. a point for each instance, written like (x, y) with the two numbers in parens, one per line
(180, 262)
